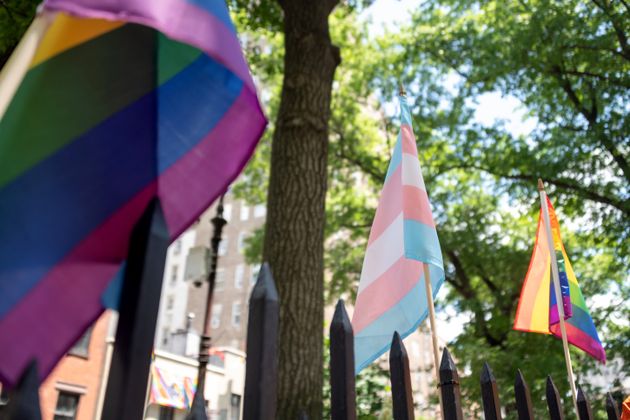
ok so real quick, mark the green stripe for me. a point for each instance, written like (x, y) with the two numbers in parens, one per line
(74, 91)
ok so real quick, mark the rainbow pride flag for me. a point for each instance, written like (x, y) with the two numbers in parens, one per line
(402, 240)
(171, 389)
(124, 101)
(537, 307)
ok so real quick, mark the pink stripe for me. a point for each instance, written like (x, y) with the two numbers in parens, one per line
(581, 340)
(208, 169)
(416, 205)
(178, 19)
(390, 205)
(69, 296)
(408, 140)
(385, 292)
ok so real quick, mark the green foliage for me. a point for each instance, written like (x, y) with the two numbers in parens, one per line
(15, 16)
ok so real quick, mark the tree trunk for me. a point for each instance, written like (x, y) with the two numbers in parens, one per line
(294, 233)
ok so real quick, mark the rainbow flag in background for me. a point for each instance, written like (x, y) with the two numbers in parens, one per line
(402, 240)
(124, 101)
(537, 307)
(171, 389)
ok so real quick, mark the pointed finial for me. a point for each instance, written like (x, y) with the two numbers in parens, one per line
(541, 186)
(401, 90)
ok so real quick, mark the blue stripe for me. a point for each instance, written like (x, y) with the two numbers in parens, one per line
(422, 243)
(47, 211)
(394, 163)
(218, 8)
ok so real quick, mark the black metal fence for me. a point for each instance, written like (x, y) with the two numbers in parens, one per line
(134, 341)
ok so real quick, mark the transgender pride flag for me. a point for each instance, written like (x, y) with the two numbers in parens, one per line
(403, 239)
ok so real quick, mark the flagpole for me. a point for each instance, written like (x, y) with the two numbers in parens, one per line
(436, 352)
(16, 67)
(558, 293)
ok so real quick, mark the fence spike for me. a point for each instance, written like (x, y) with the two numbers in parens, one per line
(261, 374)
(24, 398)
(402, 396)
(584, 408)
(554, 402)
(138, 310)
(342, 382)
(449, 388)
(523, 399)
(490, 394)
(611, 407)
(198, 407)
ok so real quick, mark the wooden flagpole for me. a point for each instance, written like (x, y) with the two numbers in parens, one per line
(558, 293)
(16, 67)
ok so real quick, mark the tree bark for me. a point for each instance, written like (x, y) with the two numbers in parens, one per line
(294, 232)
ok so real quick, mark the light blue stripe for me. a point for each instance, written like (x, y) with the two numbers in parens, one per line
(394, 163)
(422, 243)
(405, 115)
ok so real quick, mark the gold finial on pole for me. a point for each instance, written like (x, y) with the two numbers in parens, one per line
(401, 89)
(541, 186)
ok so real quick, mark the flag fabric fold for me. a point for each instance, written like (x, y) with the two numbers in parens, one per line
(124, 101)
(537, 307)
(403, 238)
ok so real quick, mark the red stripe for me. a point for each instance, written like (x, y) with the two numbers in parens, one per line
(385, 292)
(581, 340)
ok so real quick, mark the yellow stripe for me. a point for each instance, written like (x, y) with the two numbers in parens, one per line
(67, 32)
(540, 312)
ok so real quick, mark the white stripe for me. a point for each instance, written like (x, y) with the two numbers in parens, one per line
(383, 252)
(411, 173)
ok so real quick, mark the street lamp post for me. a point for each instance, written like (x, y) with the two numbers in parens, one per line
(198, 408)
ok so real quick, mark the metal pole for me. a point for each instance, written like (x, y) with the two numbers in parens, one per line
(556, 283)
(204, 346)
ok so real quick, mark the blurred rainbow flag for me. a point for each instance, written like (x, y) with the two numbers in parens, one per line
(537, 307)
(124, 101)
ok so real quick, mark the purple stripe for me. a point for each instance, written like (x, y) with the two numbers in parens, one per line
(178, 19)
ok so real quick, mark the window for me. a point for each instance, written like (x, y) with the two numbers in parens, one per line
(219, 280)
(255, 269)
(177, 247)
(236, 314)
(244, 211)
(260, 210)
(227, 211)
(81, 347)
(164, 336)
(223, 247)
(166, 413)
(215, 321)
(235, 402)
(239, 273)
(174, 270)
(67, 404)
(170, 300)
(242, 237)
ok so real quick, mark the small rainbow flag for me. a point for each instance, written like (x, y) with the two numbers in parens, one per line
(537, 307)
(402, 240)
(124, 101)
